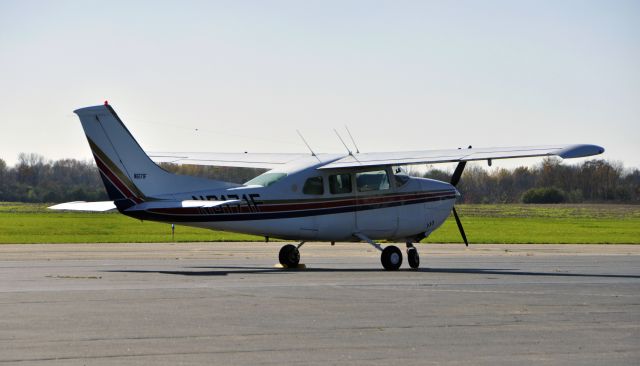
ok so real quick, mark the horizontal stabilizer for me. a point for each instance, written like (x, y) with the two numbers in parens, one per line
(180, 204)
(101, 206)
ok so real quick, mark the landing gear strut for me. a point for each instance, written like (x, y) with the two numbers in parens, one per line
(413, 256)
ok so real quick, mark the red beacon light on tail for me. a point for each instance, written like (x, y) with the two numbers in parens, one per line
(106, 102)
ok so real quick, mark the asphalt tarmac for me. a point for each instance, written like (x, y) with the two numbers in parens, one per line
(226, 304)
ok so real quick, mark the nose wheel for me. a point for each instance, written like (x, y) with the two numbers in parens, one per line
(413, 256)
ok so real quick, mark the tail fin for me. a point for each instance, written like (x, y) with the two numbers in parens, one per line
(126, 170)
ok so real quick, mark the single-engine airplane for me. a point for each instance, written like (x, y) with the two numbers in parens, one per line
(302, 197)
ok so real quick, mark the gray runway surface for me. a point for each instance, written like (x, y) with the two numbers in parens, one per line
(225, 303)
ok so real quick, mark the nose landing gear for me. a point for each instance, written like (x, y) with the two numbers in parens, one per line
(413, 256)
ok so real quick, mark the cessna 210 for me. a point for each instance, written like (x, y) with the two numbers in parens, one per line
(302, 197)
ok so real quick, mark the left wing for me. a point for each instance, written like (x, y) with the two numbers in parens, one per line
(457, 155)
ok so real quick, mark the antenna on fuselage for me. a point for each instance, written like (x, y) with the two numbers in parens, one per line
(308, 147)
(341, 140)
(345, 145)
(352, 140)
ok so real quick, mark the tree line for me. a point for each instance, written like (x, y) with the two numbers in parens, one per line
(36, 179)
(551, 181)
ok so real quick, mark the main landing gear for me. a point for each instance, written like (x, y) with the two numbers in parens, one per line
(391, 256)
(289, 255)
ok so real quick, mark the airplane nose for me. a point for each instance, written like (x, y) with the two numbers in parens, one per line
(458, 194)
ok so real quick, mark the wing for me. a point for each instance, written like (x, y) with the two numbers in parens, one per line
(241, 160)
(471, 154)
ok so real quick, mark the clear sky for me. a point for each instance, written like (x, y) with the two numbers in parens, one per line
(244, 75)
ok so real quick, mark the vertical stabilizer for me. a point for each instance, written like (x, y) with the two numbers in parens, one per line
(126, 170)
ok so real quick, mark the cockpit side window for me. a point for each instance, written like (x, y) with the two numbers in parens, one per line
(313, 185)
(340, 183)
(372, 181)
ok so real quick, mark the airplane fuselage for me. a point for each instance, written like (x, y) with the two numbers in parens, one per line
(392, 207)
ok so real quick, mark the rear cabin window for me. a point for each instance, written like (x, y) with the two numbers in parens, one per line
(340, 183)
(313, 185)
(372, 181)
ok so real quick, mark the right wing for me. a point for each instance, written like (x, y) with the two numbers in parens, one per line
(240, 160)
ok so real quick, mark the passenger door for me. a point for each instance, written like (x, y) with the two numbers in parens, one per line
(376, 214)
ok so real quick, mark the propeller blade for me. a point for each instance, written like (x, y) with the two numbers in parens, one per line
(464, 237)
(455, 178)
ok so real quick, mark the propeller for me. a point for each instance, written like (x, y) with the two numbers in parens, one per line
(464, 237)
(455, 178)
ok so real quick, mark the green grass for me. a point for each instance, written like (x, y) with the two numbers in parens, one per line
(33, 223)
(609, 224)
(540, 224)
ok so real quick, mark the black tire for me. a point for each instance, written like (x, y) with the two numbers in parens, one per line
(413, 257)
(289, 256)
(391, 258)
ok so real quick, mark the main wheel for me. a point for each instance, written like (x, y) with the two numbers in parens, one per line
(413, 257)
(391, 258)
(289, 256)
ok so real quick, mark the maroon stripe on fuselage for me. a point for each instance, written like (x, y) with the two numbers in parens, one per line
(265, 207)
(115, 180)
(352, 201)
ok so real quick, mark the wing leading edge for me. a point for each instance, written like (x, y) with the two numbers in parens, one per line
(457, 155)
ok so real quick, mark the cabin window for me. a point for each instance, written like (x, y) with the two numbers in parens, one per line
(340, 183)
(313, 185)
(265, 179)
(372, 181)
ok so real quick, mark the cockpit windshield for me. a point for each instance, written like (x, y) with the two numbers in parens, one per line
(400, 175)
(265, 179)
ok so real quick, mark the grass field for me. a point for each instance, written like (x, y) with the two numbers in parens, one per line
(572, 224)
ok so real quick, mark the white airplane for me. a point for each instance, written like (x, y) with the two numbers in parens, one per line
(303, 197)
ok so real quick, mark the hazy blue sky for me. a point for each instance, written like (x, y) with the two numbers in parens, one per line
(404, 75)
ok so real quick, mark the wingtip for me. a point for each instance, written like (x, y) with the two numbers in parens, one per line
(580, 151)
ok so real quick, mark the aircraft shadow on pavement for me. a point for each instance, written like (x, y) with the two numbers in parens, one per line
(226, 270)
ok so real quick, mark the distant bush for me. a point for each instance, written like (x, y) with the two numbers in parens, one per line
(543, 195)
